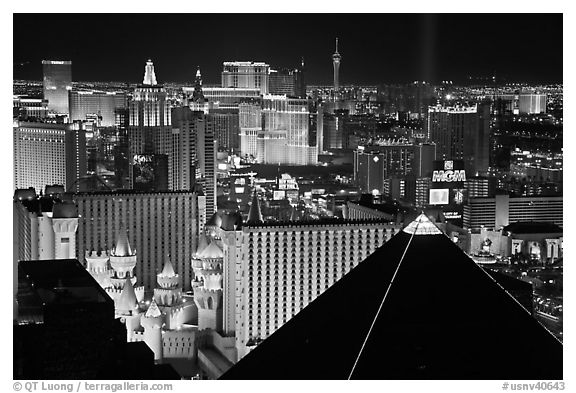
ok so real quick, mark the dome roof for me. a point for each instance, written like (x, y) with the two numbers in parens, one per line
(64, 210)
(212, 252)
(215, 221)
(232, 221)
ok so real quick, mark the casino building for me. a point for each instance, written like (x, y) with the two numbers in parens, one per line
(274, 270)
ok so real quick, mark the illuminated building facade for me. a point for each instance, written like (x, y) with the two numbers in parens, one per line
(250, 124)
(100, 103)
(273, 270)
(523, 103)
(285, 267)
(461, 133)
(501, 210)
(285, 135)
(28, 107)
(46, 153)
(57, 82)
(158, 225)
(149, 130)
(246, 74)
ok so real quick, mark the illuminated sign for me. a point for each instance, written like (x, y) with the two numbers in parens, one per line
(439, 196)
(239, 190)
(452, 215)
(449, 176)
(279, 195)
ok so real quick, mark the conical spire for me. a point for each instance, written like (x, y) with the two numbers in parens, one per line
(168, 270)
(212, 252)
(422, 226)
(149, 75)
(127, 300)
(153, 310)
(255, 214)
(202, 243)
(198, 95)
(122, 248)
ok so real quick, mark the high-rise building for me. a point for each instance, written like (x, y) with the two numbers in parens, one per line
(501, 210)
(283, 81)
(333, 131)
(246, 74)
(299, 81)
(336, 57)
(461, 133)
(226, 128)
(375, 165)
(284, 138)
(250, 124)
(150, 134)
(160, 225)
(273, 270)
(193, 154)
(103, 104)
(57, 83)
(46, 153)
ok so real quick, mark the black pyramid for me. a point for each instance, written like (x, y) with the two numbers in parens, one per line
(431, 311)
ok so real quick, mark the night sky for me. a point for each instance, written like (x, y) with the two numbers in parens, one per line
(375, 48)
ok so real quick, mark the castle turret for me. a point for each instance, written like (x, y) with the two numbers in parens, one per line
(97, 266)
(122, 257)
(152, 322)
(64, 224)
(208, 294)
(123, 260)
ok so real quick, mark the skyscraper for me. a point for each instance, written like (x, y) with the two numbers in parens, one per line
(274, 270)
(57, 83)
(149, 130)
(336, 57)
(47, 153)
(246, 74)
(193, 154)
(461, 133)
(285, 139)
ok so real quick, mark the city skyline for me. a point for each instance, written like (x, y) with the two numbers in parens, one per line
(226, 196)
(388, 48)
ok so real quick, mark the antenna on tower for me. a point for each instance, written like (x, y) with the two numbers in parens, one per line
(336, 44)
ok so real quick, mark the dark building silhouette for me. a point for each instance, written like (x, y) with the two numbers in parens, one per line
(421, 309)
(64, 328)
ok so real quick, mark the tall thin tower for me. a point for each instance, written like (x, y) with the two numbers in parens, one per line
(336, 60)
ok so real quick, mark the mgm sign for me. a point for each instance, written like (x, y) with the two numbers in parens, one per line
(448, 174)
